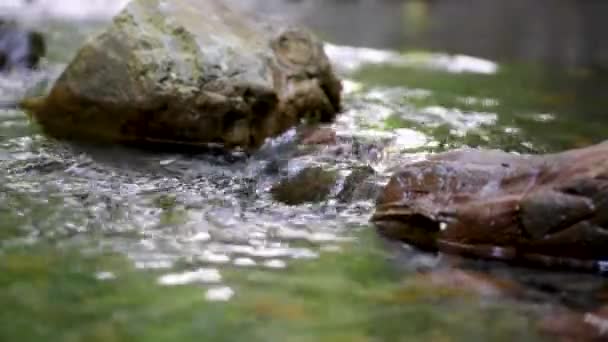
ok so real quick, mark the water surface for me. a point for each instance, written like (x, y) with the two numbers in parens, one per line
(113, 244)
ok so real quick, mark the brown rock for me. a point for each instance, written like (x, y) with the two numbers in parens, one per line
(549, 210)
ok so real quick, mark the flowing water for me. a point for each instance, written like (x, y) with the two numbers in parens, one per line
(113, 244)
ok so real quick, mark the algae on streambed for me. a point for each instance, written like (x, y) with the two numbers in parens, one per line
(88, 236)
(352, 295)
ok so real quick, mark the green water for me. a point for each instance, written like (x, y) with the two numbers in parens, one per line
(53, 294)
(107, 244)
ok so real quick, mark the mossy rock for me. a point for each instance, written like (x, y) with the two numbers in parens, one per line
(192, 73)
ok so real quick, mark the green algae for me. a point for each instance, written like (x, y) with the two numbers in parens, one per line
(352, 295)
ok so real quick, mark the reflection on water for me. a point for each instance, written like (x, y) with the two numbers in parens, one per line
(112, 244)
(563, 32)
(351, 58)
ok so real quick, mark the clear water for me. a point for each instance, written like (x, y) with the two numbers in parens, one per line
(112, 244)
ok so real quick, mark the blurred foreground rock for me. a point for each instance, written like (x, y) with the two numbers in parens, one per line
(548, 210)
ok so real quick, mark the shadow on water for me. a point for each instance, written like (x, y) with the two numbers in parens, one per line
(116, 244)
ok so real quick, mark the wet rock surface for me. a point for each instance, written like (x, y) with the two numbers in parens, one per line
(544, 210)
(161, 76)
(20, 48)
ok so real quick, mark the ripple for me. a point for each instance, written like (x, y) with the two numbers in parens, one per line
(275, 263)
(348, 59)
(244, 262)
(203, 275)
(104, 275)
(219, 294)
(214, 258)
(154, 264)
(460, 121)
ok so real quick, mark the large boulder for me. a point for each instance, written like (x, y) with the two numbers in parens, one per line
(548, 210)
(190, 72)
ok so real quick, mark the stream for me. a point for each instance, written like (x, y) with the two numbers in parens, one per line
(115, 244)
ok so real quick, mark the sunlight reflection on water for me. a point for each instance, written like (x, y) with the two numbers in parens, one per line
(352, 58)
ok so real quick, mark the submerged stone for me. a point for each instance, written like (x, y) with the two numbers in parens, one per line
(190, 72)
(470, 282)
(358, 185)
(576, 326)
(311, 184)
(549, 210)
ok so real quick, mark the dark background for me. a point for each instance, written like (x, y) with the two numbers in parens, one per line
(568, 33)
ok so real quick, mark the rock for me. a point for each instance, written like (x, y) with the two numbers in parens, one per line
(547, 210)
(358, 186)
(19, 48)
(311, 184)
(190, 73)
